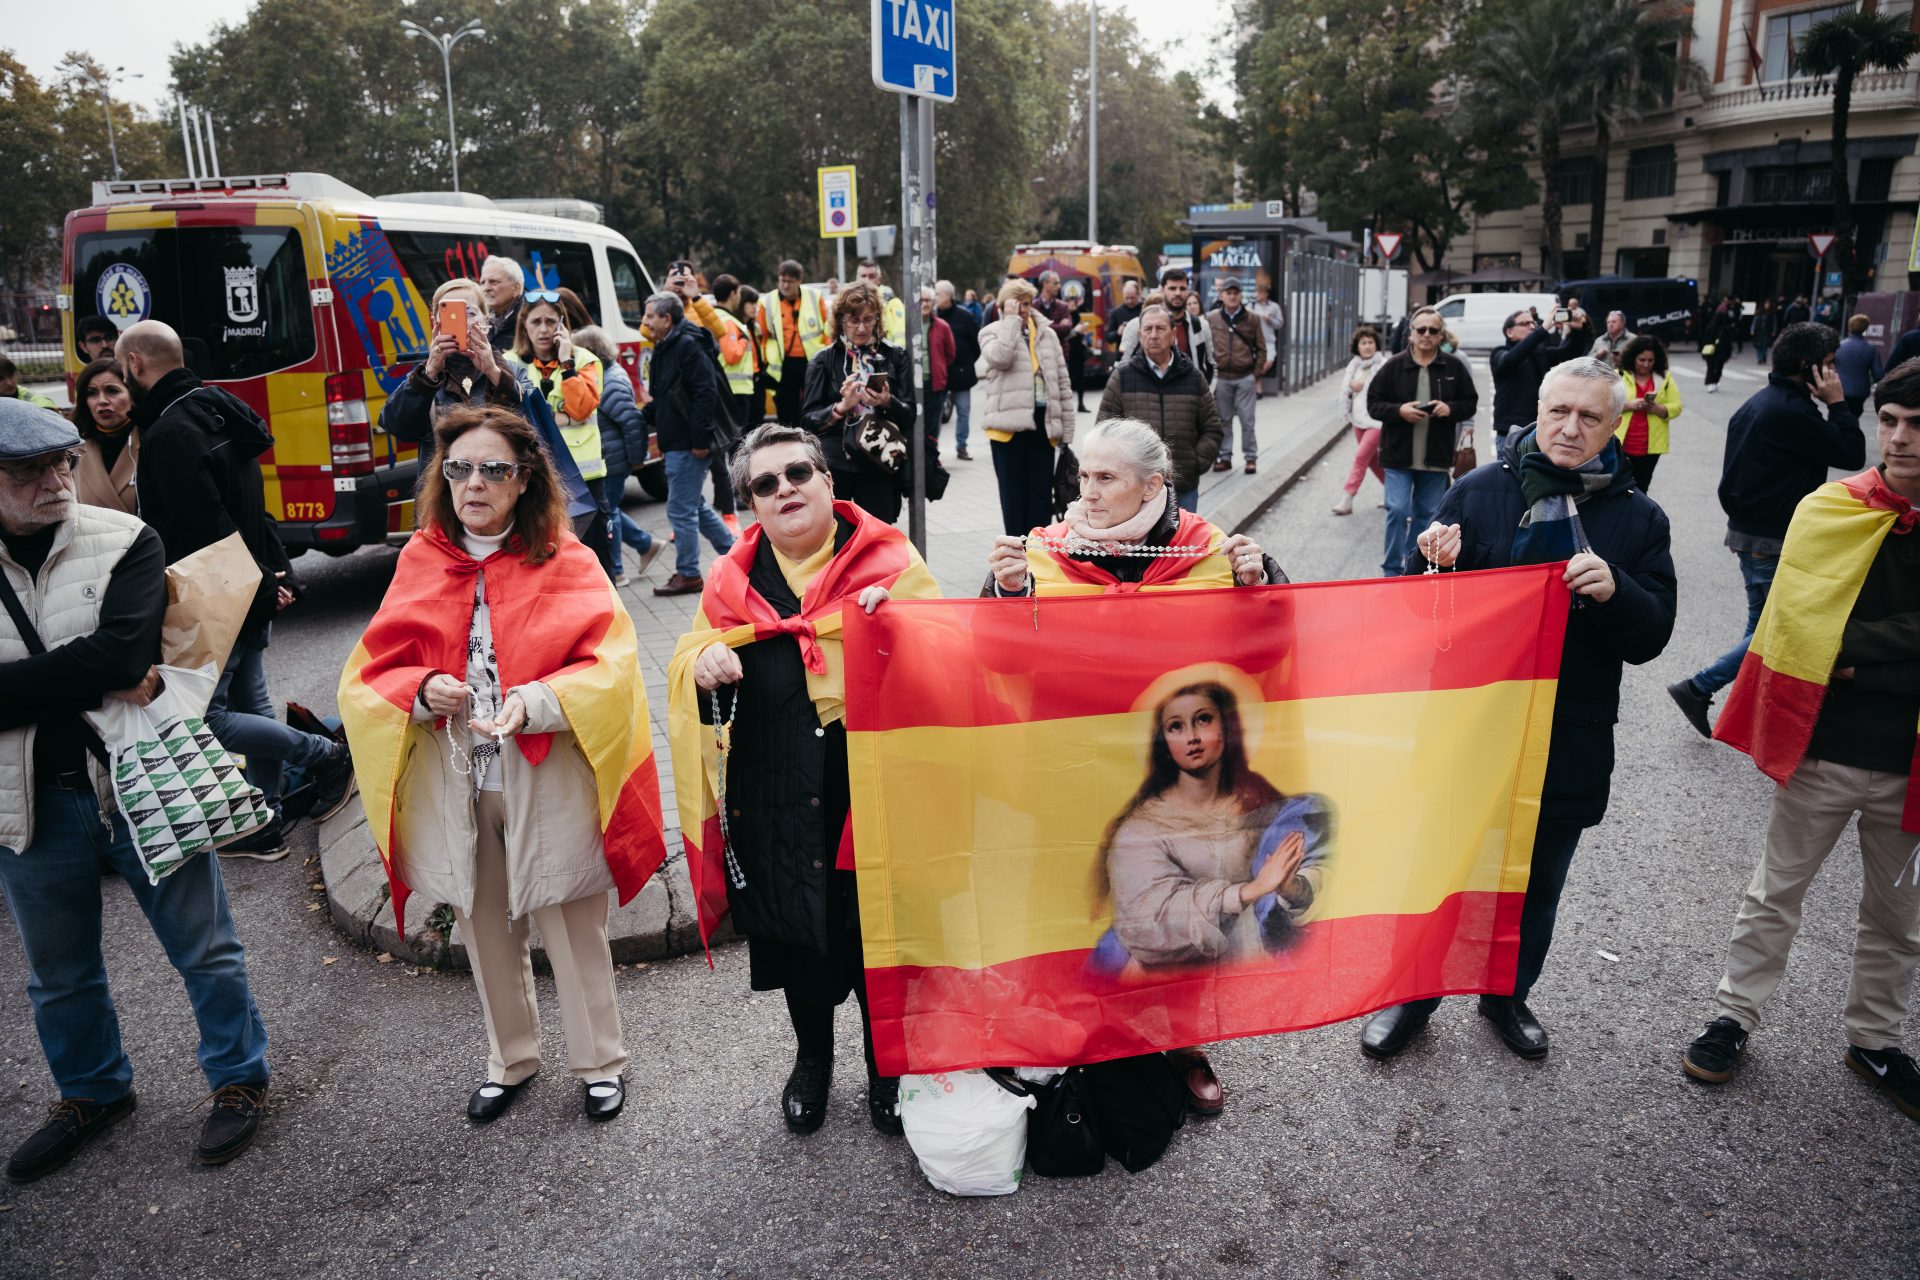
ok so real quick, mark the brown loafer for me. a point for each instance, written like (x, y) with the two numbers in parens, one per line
(1205, 1097)
(1250, 467)
(1223, 464)
(679, 586)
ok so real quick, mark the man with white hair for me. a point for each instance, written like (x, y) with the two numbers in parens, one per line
(1560, 490)
(503, 283)
(1614, 339)
(85, 590)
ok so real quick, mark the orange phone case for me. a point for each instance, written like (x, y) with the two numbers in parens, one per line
(453, 319)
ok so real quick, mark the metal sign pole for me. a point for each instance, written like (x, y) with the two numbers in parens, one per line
(912, 253)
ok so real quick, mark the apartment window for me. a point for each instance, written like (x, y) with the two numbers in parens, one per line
(1875, 181)
(1784, 32)
(1650, 173)
(1576, 181)
(1793, 184)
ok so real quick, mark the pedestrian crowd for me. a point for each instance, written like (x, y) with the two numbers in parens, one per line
(496, 695)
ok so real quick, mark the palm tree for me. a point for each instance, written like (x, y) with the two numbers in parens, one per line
(1633, 51)
(1843, 47)
(1534, 73)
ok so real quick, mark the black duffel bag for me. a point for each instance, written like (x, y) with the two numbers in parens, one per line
(1063, 1131)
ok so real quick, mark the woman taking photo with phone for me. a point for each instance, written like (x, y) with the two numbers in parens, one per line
(461, 368)
(1653, 402)
(859, 401)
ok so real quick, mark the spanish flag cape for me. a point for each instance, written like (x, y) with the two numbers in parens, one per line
(558, 622)
(734, 614)
(1056, 573)
(1836, 532)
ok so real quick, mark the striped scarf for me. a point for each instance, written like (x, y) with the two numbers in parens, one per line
(1550, 527)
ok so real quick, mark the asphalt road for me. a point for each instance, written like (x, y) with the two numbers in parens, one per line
(1457, 1159)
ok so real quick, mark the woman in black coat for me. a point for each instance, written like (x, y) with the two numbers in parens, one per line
(1568, 476)
(845, 395)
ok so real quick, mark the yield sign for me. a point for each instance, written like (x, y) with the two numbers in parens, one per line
(1820, 244)
(1389, 242)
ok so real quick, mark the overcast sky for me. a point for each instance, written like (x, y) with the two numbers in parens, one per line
(140, 35)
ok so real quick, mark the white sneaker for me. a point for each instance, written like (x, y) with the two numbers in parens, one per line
(1344, 507)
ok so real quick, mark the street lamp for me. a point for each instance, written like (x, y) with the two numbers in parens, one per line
(106, 97)
(1093, 121)
(446, 43)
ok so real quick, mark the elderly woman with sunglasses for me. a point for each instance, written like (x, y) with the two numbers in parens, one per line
(767, 822)
(492, 702)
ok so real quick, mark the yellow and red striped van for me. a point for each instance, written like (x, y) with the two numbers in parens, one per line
(308, 300)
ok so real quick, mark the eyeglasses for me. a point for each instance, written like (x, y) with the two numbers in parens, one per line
(1426, 329)
(543, 295)
(768, 483)
(459, 470)
(24, 473)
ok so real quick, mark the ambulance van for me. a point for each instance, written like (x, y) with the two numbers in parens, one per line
(307, 299)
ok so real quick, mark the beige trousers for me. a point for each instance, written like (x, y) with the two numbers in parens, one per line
(575, 934)
(1808, 818)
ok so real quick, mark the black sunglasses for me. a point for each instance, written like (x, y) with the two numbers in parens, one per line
(459, 469)
(768, 483)
(1426, 329)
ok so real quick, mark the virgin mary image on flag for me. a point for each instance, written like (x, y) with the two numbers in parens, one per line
(1208, 862)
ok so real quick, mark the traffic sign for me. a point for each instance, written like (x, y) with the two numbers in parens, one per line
(839, 201)
(1389, 242)
(1820, 244)
(913, 47)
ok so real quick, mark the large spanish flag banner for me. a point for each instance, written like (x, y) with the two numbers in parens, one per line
(1112, 824)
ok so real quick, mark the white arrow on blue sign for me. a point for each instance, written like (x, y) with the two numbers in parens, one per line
(913, 47)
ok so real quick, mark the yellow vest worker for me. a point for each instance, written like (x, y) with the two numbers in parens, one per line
(784, 338)
(736, 354)
(893, 319)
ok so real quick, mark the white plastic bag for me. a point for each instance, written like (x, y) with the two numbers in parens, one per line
(179, 790)
(968, 1130)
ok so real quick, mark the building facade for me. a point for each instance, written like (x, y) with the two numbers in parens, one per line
(1725, 187)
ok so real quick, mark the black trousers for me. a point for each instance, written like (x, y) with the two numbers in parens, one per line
(1023, 466)
(1643, 469)
(790, 391)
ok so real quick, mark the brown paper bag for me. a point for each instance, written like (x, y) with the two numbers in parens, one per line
(208, 595)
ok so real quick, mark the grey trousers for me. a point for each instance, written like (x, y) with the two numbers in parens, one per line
(1235, 398)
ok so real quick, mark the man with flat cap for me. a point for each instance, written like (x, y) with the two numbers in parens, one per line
(1239, 353)
(84, 590)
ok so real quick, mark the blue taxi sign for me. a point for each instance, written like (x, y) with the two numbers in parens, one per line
(913, 47)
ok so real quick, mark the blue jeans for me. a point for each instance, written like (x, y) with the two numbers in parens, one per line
(1188, 501)
(53, 891)
(1760, 352)
(962, 410)
(1412, 498)
(624, 529)
(241, 717)
(690, 514)
(1757, 573)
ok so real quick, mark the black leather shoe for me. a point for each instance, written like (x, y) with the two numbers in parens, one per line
(604, 1098)
(490, 1101)
(805, 1101)
(1393, 1028)
(883, 1104)
(232, 1126)
(1516, 1025)
(71, 1124)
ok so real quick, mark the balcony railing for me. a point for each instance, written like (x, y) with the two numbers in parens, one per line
(1874, 91)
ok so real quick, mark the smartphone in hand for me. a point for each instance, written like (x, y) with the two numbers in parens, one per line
(878, 383)
(453, 319)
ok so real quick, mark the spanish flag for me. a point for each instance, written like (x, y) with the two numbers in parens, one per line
(1831, 544)
(868, 552)
(1136, 822)
(1055, 572)
(560, 623)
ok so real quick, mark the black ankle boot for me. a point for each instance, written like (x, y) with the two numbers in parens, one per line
(883, 1104)
(805, 1101)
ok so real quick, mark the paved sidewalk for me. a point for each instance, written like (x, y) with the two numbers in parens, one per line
(1294, 431)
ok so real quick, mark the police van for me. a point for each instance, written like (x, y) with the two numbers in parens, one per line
(308, 300)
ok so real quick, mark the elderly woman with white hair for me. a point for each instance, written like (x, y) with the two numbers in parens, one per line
(1561, 489)
(1126, 531)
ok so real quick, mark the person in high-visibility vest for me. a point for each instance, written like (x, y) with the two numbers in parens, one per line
(736, 350)
(569, 378)
(893, 312)
(793, 323)
(762, 385)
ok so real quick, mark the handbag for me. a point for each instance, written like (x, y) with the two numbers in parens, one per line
(1066, 480)
(1140, 1102)
(176, 786)
(1464, 457)
(1063, 1130)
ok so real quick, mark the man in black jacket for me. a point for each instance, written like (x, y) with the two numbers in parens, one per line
(1519, 365)
(1779, 447)
(684, 383)
(961, 374)
(1158, 385)
(96, 583)
(199, 482)
(1567, 473)
(1420, 398)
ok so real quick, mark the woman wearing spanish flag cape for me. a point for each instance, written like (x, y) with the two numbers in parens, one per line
(757, 714)
(1126, 533)
(499, 729)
